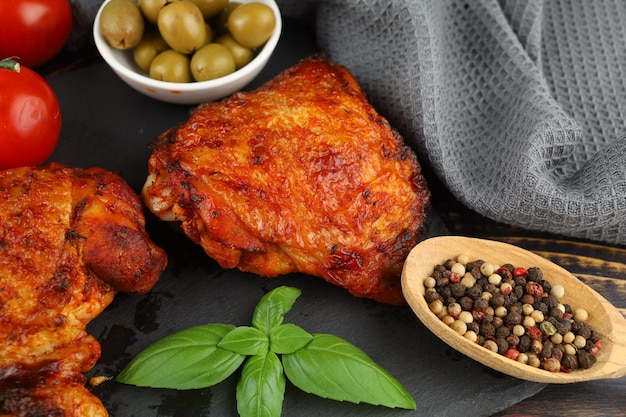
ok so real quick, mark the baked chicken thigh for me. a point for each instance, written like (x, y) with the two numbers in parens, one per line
(300, 175)
(69, 240)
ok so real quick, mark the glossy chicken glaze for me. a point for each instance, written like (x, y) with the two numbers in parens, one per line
(70, 239)
(300, 175)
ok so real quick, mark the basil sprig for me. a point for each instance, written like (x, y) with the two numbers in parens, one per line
(270, 351)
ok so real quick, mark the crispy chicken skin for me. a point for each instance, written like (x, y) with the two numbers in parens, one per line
(69, 240)
(301, 175)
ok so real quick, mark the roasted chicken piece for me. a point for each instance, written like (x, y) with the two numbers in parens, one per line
(69, 240)
(300, 175)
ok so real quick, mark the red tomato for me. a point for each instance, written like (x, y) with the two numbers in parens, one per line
(34, 31)
(30, 118)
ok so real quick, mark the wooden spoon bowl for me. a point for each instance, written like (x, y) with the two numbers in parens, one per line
(603, 316)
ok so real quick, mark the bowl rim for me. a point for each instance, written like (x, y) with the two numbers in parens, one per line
(107, 53)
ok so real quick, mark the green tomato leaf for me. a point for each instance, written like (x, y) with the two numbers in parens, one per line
(271, 309)
(261, 388)
(189, 359)
(287, 338)
(331, 367)
(245, 340)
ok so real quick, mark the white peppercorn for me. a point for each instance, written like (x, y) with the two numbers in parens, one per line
(495, 279)
(487, 269)
(580, 342)
(466, 317)
(459, 326)
(580, 314)
(558, 291)
(569, 337)
(463, 259)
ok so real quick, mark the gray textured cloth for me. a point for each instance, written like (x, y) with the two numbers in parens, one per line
(517, 105)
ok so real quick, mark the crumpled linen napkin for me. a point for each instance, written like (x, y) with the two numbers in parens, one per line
(518, 106)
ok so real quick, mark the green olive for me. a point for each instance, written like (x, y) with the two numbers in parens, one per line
(221, 20)
(171, 66)
(212, 61)
(151, 8)
(182, 26)
(210, 8)
(121, 24)
(209, 34)
(241, 54)
(252, 24)
(150, 46)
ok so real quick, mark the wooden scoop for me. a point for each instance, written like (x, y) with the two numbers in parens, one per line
(603, 316)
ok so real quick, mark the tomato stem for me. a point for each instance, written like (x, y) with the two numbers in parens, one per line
(10, 64)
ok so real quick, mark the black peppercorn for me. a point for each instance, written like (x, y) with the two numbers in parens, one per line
(556, 313)
(582, 329)
(487, 330)
(547, 286)
(503, 332)
(444, 291)
(557, 353)
(503, 345)
(513, 317)
(512, 339)
(458, 289)
(534, 274)
(524, 343)
(473, 326)
(551, 301)
(466, 303)
(474, 271)
(585, 359)
(475, 291)
(528, 299)
(481, 304)
(448, 263)
(569, 362)
(432, 295)
(541, 306)
(496, 300)
(520, 281)
(546, 351)
(442, 281)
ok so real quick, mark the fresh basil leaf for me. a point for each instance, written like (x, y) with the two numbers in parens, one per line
(331, 367)
(245, 340)
(271, 309)
(287, 338)
(189, 359)
(261, 388)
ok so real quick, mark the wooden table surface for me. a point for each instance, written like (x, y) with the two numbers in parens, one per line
(601, 266)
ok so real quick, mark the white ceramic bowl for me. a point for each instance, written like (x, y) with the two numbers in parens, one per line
(124, 66)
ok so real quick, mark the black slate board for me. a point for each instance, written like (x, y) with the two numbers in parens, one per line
(108, 124)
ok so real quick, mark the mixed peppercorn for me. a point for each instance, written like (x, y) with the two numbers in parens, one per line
(512, 311)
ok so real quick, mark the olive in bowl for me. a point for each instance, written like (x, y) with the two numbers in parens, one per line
(141, 51)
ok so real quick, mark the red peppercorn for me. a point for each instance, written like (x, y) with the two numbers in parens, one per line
(520, 272)
(454, 277)
(534, 333)
(478, 315)
(596, 348)
(512, 353)
(534, 288)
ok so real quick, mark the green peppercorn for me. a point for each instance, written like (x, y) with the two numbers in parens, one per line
(547, 328)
